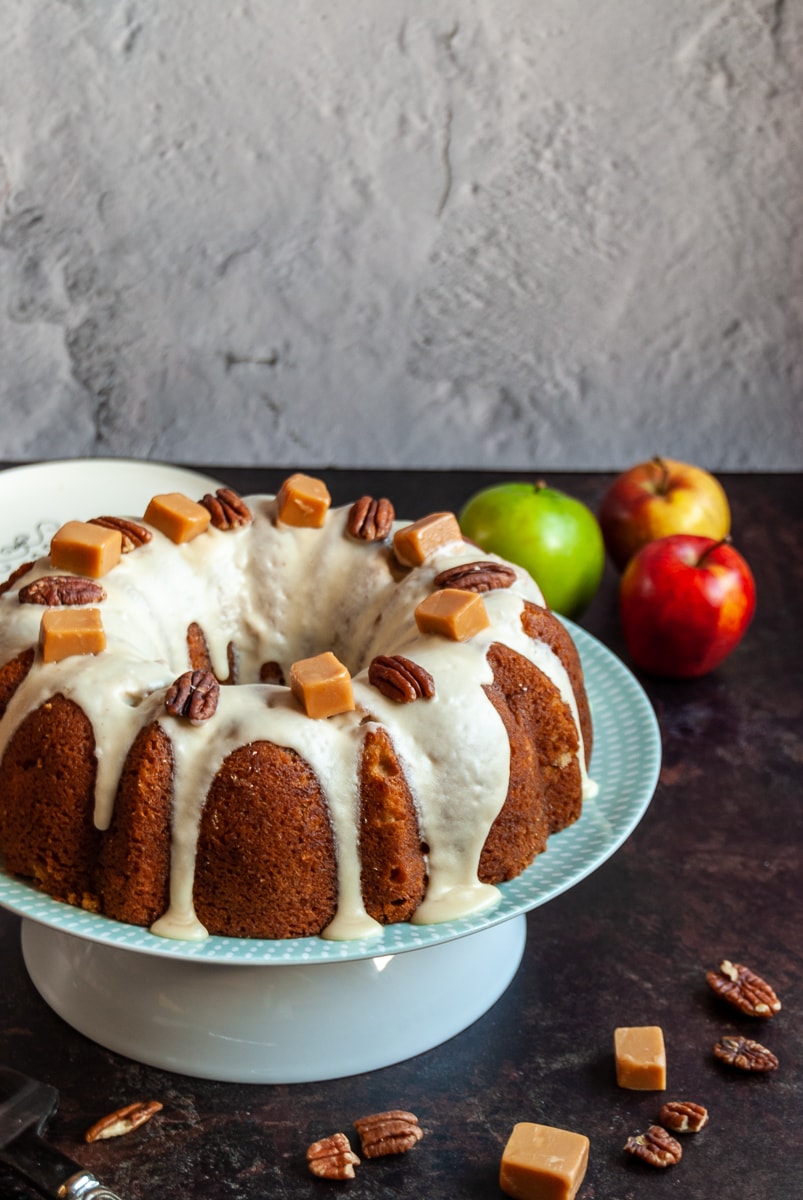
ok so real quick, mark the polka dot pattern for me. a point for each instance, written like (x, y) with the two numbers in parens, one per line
(625, 765)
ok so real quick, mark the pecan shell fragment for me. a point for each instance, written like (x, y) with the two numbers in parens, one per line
(227, 509)
(56, 591)
(745, 1054)
(656, 1147)
(194, 695)
(477, 577)
(332, 1157)
(370, 519)
(683, 1116)
(745, 990)
(133, 535)
(123, 1120)
(400, 679)
(392, 1132)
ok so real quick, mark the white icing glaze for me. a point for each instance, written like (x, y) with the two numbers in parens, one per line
(281, 593)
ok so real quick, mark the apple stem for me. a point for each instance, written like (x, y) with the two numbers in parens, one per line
(726, 541)
(661, 486)
(539, 485)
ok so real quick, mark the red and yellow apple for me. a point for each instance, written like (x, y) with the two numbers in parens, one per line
(552, 535)
(685, 603)
(657, 498)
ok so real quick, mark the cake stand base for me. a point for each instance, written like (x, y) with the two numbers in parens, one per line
(272, 1023)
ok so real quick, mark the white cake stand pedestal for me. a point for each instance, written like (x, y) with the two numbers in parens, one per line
(272, 1023)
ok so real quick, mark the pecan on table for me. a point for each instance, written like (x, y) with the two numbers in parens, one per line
(745, 1054)
(656, 1147)
(391, 1132)
(195, 695)
(227, 509)
(123, 1120)
(477, 577)
(400, 679)
(369, 519)
(332, 1157)
(683, 1116)
(745, 990)
(16, 574)
(133, 535)
(58, 590)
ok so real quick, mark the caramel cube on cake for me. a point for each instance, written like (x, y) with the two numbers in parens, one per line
(640, 1058)
(177, 517)
(413, 544)
(86, 549)
(303, 501)
(64, 632)
(541, 1162)
(452, 613)
(322, 684)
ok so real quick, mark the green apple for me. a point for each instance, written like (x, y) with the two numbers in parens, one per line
(552, 535)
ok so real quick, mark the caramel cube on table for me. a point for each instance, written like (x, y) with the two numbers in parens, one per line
(64, 632)
(640, 1058)
(86, 549)
(177, 517)
(303, 501)
(322, 684)
(452, 613)
(413, 544)
(541, 1162)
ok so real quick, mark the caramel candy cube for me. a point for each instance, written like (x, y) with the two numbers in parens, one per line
(86, 549)
(452, 613)
(640, 1058)
(540, 1162)
(68, 631)
(322, 684)
(413, 544)
(177, 517)
(303, 501)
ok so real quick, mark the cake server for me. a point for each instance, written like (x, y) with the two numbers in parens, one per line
(25, 1108)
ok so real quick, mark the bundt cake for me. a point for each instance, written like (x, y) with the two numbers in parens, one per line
(267, 717)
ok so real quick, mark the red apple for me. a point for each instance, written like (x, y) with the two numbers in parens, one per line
(658, 498)
(685, 602)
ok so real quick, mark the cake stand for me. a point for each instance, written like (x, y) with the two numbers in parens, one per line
(307, 1009)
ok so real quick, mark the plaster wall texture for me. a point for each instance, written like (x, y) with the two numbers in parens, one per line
(495, 233)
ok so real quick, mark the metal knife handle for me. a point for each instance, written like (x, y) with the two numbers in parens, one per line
(84, 1186)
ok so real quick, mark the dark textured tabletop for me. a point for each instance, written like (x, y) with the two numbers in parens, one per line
(712, 871)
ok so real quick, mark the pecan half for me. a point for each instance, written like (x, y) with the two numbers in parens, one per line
(16, 574)
(745, 990)
(58, 590)
(227, 509)
(133, 535)
(123, 1120)
(195, 695)
(271, 672)
(370, 519)
(391, 1132)
(332, 1157)
(400, 679)
(656, 1147)
(745, 1054)
(683, 1116)
(477, 577)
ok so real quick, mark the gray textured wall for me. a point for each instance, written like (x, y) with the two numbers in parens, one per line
(503, 233)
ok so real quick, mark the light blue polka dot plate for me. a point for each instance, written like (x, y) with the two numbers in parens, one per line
(625, 765)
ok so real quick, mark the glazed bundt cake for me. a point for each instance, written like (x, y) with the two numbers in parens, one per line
(268, 717)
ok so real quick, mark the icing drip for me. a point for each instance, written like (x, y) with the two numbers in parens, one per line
(261, 588)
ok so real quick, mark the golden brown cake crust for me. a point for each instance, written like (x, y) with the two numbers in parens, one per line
(265, 863)
(393, 870)
(12, 675)
(47, 802)
(135, 858)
